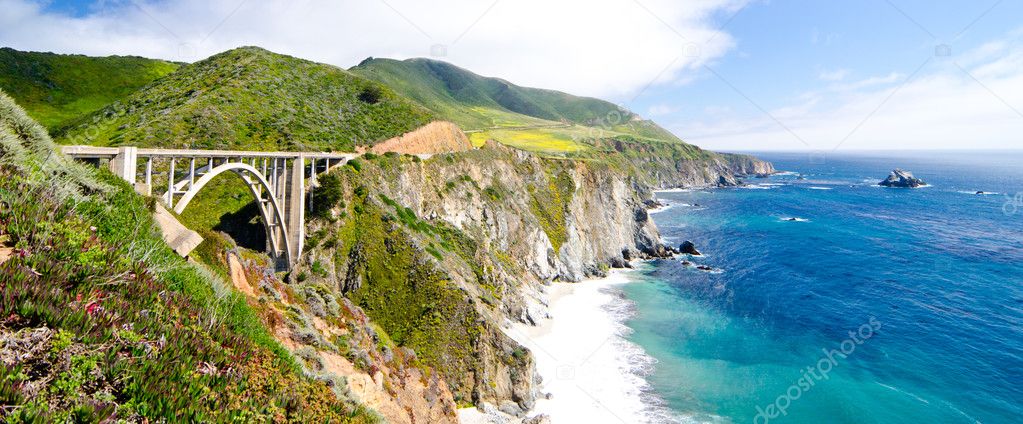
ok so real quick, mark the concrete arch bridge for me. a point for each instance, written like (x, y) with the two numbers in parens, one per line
(276, 180)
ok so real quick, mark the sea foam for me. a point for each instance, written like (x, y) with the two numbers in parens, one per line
(592, 372)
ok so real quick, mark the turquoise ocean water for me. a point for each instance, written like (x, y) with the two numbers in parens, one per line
(929, 281)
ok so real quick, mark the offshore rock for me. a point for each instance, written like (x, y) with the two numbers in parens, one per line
(903, 179)
(689, 248)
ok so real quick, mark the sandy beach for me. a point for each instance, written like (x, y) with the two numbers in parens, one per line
(589, 370)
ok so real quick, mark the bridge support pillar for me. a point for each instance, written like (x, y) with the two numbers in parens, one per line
(295, 207)
(125, 163)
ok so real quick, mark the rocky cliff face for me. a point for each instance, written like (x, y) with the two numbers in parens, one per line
(562, 220)
(334, 341)
(462, 243)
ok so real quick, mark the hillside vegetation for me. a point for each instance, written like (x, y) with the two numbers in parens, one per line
(542, 121)
(100, 321)
(252, 99)
(56, 89)
(477, 102)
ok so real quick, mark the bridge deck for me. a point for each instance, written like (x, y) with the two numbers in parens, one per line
(96, 152)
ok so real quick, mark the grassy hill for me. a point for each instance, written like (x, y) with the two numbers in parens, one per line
(477, 102)
(542, 121)
(253, 99)
(56, 89)
(102, 322)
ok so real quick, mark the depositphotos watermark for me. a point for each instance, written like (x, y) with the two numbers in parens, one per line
(816, 373)
(1012, 204)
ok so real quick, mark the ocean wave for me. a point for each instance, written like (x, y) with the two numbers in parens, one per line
(638, 363)
(819, 188)
(587, 357)
(660, 209)
(898, 390)
(975, 193)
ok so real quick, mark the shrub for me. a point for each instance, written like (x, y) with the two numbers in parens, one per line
(328, 195)
(371, 94)
(355, 164)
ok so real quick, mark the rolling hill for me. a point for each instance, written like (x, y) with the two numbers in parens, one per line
(477, 102)
(543, 121)
(56, 89)
(250, 98)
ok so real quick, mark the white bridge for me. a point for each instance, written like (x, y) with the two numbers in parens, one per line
(275, 179)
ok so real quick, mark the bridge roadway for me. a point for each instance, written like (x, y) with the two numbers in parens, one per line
(277, 181)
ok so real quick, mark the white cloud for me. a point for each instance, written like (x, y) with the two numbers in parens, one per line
(973, 101)
(589, 47)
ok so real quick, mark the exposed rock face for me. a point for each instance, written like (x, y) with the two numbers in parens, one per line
(728, 181)
(435, 137)
(901, 178)
(604, 213)
(539, 419)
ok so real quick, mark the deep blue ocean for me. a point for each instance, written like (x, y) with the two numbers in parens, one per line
(929, 281)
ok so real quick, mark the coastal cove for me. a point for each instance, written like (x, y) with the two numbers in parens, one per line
(589, 371)
(791, 325)
(944, 339)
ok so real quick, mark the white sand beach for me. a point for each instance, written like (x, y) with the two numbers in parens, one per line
(589, 370)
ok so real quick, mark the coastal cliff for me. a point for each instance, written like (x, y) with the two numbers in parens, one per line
(444, 253)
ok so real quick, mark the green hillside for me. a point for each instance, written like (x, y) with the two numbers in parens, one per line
(543, 121)
(103, 322)
(55, 89)
(249, 98)
(477, 102)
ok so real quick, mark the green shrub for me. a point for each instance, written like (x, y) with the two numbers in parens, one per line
(549, 203)
(355, 164)
(328, 194)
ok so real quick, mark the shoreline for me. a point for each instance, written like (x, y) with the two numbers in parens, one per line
(589, 370)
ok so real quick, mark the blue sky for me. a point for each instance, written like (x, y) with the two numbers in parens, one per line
(725, 74)
(785, 49)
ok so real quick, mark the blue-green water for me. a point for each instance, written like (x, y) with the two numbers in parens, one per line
(930, 279)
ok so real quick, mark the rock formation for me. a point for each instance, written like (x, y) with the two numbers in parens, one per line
(689, 248)
(901, 178)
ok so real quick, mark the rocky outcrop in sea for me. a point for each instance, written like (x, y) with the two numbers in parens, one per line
(902, 178)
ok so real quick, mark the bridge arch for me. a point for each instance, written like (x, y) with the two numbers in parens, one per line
(270, 208)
